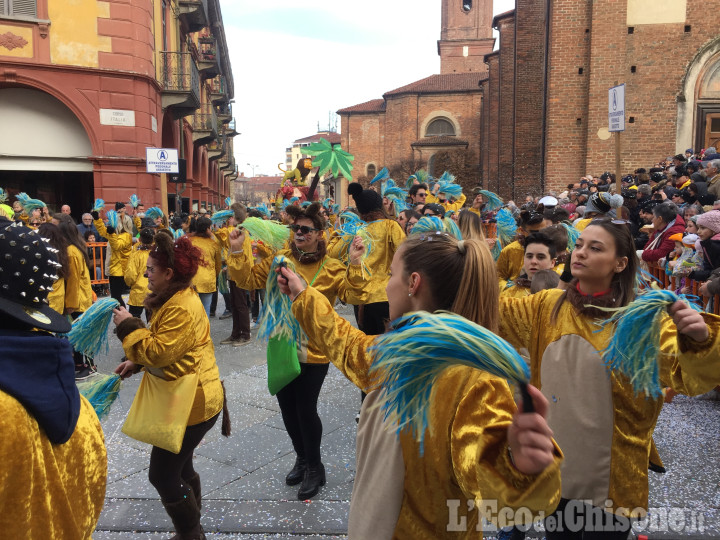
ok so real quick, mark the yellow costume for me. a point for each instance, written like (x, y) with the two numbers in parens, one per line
(56, 297)
(456, 206)
(176, 344)
(386, 236)
(205, 280)
(50, 491)
(400, 494)
(580, 225)
(78, 290)
(511, 261)
(331, 279)
(603, 428)
(513, 290)
(120, 248)
(135, 274)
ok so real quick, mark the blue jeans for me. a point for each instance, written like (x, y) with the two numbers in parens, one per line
(206, 299)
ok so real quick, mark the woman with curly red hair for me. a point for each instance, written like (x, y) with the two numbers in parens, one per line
(176, 344)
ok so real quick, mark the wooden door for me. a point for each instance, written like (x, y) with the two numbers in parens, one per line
(712, 130)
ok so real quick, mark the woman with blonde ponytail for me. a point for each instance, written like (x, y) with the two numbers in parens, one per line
(481, 447)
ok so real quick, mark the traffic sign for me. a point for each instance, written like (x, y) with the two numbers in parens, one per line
(162, 160)
(616, 108)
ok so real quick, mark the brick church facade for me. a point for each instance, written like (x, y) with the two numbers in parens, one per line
(546, 96)
(439, 113)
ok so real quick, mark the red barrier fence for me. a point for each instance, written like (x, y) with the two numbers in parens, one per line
(673, 282)
(96, 252)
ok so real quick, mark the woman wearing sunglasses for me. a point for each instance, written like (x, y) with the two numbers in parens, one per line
(298, 400)
(602, 426)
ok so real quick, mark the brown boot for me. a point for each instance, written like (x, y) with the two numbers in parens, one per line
(194, 483)
(185, 516)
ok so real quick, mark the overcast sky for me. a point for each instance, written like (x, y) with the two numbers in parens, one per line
(295, 62)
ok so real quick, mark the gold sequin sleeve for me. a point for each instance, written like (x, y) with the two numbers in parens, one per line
(510, 261)
(167, 344)
(479, 446)
(325, 328)
(690, 367)
(242, 270)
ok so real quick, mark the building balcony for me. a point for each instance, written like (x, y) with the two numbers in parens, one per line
(233, 175)
(218, 90)
(224, 113)
(208, 61)
(230, 131)
(204, 125)
(194, 14)
(180, 82)
(217, 148)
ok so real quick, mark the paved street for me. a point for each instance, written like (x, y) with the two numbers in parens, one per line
(244, 494)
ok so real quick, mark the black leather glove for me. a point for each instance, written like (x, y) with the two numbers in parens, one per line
(95, 215)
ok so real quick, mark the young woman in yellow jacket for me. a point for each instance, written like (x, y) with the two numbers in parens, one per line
(135, 273)
(121, 242)
(205, 281)
(386, 236)
(177, 343)
(298, 400)
(78, 289)
(481, 450)
(603, 427)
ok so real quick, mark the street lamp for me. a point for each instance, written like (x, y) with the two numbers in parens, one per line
(253, 167)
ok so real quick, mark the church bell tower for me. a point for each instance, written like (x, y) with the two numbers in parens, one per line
(466, 35)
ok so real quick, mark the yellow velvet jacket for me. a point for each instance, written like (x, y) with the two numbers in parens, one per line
(56, 297)
(178, 343)
(120, 248)
(456, 206)
(603, 428)
(330, 276)
(465, 457)
(55, 491)
(135, 275)
(511, 261)
(386, 236)
(205, 280)
(78, 290)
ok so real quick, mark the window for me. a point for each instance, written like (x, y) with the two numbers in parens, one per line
(440, 126)
(24, 8)
(371, 171)
(466, 5)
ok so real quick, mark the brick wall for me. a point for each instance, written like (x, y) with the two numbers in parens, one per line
(567, 130)
(385, 138)
(492, 105)
(485, 134)
(506, 123)
(530, 38)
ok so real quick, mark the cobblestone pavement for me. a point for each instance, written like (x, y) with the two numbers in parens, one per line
(245, 497)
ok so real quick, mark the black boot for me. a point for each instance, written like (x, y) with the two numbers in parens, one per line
(313, 479)
(194, 483)
(296, 474)
(185, 516)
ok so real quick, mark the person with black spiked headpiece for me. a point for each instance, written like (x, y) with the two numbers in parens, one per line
(51, 442)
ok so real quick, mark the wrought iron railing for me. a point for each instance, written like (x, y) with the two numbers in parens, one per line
(205, 119)
(179, 73)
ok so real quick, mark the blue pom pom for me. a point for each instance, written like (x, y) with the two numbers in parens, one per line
(88, 334)
(101, 392)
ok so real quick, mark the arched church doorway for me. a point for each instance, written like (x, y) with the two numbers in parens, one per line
(708, 105)
(44, 151)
